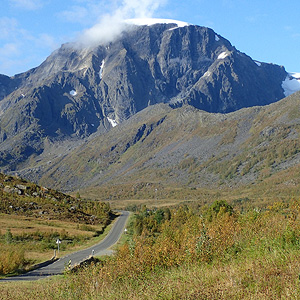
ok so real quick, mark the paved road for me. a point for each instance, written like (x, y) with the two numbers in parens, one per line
(58, 266)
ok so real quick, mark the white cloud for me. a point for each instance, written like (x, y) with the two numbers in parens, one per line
(140, 8)
(109, 28)
(9, 26)
(12, 33)
(76, 14)
(9, 50)
(27, 4)
(10, 57)
(85, 12)
(46, 41)
(111, 24)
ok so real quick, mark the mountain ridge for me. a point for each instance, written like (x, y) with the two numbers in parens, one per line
(79, 94)
(183, 147)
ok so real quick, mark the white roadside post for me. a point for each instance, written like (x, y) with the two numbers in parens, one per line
(58, 241)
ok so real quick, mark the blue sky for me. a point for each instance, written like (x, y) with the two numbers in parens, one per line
(30, 30)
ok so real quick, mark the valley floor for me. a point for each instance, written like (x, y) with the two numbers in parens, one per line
(208, 252)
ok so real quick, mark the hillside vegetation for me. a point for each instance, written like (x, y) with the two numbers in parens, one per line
(32, 218)
(191, 252)
(182, 152)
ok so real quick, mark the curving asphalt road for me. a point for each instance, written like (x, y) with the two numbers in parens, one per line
(58, 266)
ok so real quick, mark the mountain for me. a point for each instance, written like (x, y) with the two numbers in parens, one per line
(68, 106)
(184, 147)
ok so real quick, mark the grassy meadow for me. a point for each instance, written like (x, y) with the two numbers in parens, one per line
(213, 251)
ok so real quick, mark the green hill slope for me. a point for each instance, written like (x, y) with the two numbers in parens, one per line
(162, 147)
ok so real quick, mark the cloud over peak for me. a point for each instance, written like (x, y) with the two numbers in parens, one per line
(111, 25)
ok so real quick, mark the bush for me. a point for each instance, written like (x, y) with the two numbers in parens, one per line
(11, 258)
(218, 208)
(8, 236)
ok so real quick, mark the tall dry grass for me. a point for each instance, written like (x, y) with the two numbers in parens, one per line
(211, 254)
(12, 257)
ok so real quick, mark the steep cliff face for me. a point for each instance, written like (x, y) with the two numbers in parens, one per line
(80, 91)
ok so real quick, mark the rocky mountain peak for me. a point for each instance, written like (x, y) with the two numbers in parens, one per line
(77, 91)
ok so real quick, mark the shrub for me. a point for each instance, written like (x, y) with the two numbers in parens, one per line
(219, 207)
(11, 258)
(8, 236)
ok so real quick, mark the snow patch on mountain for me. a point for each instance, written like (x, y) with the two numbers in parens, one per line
(73, 93)
(223, 55)
(291, 84)
(112, 122)
(217, 38)
(257, 62)
(101, 69)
